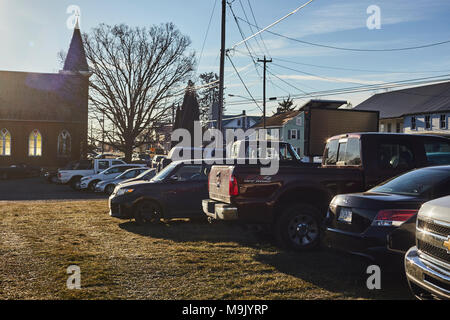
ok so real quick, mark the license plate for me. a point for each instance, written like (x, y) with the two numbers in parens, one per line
(345, 215)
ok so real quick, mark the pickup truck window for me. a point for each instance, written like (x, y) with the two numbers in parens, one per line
(331, 150)
(103, 164)
(353, 152)
(437, 152)
(395, 155)
(343, 152)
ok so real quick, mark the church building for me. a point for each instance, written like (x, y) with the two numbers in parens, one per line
(44, 116)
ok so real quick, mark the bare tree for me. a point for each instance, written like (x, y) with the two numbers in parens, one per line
(136, 71)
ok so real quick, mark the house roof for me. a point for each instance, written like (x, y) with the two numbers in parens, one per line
(278, 120)
(423, 99)
(323, 104)
(229, 118)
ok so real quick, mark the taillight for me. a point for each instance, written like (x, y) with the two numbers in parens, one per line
(393, 217)
(234, 188)
(59, 175)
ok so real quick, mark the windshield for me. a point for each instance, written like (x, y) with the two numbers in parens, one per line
(165, 172)
(415, 183)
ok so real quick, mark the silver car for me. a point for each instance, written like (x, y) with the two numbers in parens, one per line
(107, 186)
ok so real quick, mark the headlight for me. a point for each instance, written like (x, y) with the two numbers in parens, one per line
(124, 191)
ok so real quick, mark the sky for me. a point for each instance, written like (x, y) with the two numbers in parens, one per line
(33, 32)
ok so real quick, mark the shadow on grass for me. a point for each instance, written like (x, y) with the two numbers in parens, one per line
(327, 269)
(184, 230)
(338, 272)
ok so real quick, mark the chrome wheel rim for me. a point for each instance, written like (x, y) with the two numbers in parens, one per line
(303, 230)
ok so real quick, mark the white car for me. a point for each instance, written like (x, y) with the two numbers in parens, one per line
(89, 182)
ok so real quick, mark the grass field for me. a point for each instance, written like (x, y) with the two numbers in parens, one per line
(172, 260)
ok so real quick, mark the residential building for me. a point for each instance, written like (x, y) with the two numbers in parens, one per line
(293, 126)
(239, 121)
(424, 109)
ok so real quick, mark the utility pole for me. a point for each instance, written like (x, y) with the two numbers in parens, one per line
(222, 66)
(264, 89)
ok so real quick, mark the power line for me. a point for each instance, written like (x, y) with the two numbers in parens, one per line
(317, 76)
(348, 49)
(256, 23)
(251, 29)
(206, 34)
(243, 83)
(359, 70)
(272, 24)
(387, 85)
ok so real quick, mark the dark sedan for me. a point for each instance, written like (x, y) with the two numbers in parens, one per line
(360, 223)
(176, 192)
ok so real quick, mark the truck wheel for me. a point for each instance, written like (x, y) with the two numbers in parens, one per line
(75, 183)
(147, 212)
(91, 186)
(298, 227)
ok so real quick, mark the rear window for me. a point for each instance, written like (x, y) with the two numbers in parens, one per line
(343, 152)
(415, 183)
(437, 152)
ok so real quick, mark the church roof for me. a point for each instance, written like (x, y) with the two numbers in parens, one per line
(76, 56)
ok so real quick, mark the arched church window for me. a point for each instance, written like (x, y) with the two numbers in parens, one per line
(35, 144)
(64, 144)
(5, 143)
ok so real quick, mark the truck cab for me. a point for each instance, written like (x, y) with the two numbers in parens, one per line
(85, 168)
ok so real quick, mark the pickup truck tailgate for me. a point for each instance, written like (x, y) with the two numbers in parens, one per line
(219, 183)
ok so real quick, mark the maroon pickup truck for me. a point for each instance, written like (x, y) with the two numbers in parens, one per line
(294, 201)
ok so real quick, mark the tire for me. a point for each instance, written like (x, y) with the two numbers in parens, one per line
(75, 183)
(298, 227)
(109, 189)
(91, 186)
(146, 212)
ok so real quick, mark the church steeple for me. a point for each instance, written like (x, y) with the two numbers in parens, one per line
(76, 56)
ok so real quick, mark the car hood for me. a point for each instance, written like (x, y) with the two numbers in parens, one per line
(377, 200)
(137, 183)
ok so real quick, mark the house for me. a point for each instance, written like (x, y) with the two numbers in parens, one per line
(294, 126)
(424, 109)
(239, 121)
(44, 116)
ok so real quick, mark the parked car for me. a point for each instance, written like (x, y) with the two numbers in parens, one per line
(360, 223)
(176, 192)
(147, 175)
(19, 171)
(295, 200)
(89, 182)
(427, 264)
(85, 168)
(107, 186)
